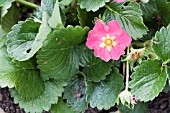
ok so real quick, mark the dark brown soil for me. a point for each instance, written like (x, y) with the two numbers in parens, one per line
(160, 104)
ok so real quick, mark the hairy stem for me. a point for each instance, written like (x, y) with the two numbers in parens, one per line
(127, 72)
(28, 3)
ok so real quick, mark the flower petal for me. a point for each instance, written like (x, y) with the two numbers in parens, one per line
(114, 28)
(124, 39)
(93, 42)
(103, 54)
(100, 29)
(120, 0)
(117, 51)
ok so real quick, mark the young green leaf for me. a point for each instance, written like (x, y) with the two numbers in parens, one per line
(44, 30)
(75, 94)
(21, 38)
(26, 80)
(61, 107)
(95, 69)
(52, 91)
(58, 57)
(92, 5)
(161, 43)
(55, 18)
(103, 94)
(65, 2)
(148, 80)
(130, 18)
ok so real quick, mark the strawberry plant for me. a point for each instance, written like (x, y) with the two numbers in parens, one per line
(66, 55)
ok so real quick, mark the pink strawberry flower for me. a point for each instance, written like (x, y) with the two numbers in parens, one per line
(108, 41)
(120, 0)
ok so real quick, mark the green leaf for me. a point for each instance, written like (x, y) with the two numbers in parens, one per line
(2, 37)
(161, 43)
(44, 30)
(52, 91)
(92, 5)
(87, 18)
(58, 57)
(168, 74)
(21, 38)
(156, 12)
(48, 6)
(65, 2)
(55, 18)
(4, 2)
(130, 18)
(10, 16)
(140, 107)
(95, 69)
(148, 80)
(26, 80)
(75, 94)
(61, 107)
(103, 94)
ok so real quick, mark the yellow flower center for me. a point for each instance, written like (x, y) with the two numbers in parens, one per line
(108, 42)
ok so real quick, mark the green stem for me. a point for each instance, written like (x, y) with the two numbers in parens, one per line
(127, 72)
(28, 3)
(109, 8)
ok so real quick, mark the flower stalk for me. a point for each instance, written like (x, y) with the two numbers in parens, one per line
(127, 72)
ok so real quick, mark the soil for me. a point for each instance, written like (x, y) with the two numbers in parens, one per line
(160, 104)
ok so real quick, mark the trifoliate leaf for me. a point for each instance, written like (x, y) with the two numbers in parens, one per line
(161, 43)
(52, 91)
(95, 69)
(140, 107)
(10, 16)
(87, 18)
(26, 80)
(130, 18)
(156, 12)
(58, 57)
(75, 94)
(148, 80)
(4, 2)
(61, 107)
(103, 94)
(92, 5)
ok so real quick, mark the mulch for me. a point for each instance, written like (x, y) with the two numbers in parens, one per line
(160, 104)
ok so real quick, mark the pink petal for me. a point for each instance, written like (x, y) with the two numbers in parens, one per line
(100, 29)
(120, 0)
(117, 51)
(124, 39)
(93, 42)
(114, 28)
(103, 54)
